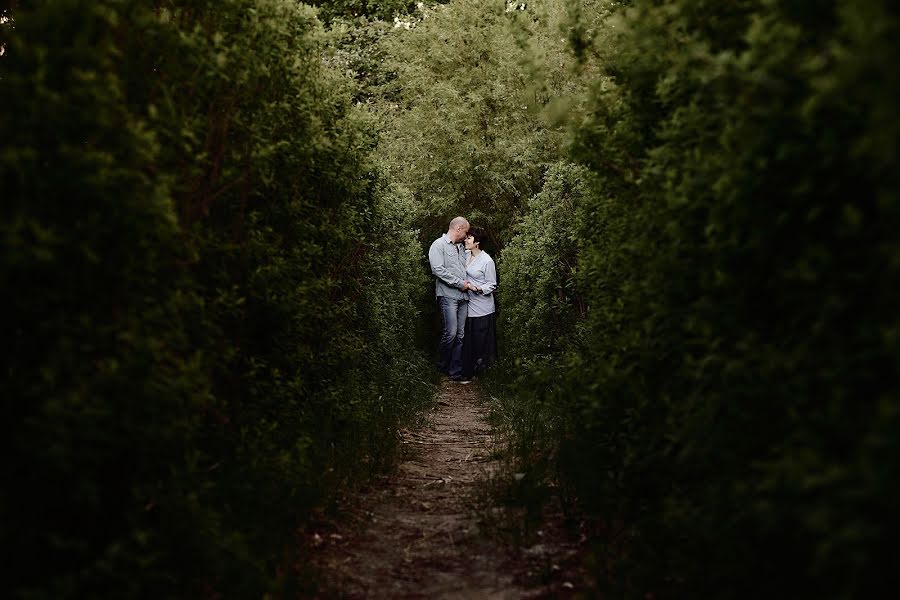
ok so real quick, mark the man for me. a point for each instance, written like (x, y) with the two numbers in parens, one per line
(448, 263)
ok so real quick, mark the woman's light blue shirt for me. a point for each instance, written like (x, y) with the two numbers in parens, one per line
(482, 272)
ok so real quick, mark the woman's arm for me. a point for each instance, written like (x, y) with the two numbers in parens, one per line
(490, 277)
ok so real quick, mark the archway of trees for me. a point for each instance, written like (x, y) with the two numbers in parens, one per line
(213, 218)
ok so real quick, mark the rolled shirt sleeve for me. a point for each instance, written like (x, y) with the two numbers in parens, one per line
(490, 278)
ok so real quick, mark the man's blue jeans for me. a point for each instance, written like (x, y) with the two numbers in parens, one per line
(453, 317)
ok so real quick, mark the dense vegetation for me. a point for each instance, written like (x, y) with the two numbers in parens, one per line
(728, 405)
(200, 344)
(213, 219)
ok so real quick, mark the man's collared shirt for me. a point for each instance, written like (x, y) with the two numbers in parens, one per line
(448, 263)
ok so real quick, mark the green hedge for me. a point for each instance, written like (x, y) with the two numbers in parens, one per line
(539, 271)
(730, 416)
(197, 350)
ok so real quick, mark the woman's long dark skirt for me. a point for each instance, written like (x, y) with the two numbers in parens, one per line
(479, 344)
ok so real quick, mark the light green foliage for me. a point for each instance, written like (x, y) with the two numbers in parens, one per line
(539, 270)
(397, 291)
(357, 50)
(466, 98)
(464, 131)
(540, 308)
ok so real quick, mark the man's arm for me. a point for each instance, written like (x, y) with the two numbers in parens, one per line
(436, 259)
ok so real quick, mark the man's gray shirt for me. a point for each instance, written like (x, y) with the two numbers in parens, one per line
(448, 263)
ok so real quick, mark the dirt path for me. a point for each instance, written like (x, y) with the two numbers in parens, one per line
(415, 534)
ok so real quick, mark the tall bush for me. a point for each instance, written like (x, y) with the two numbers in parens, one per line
(743, 361)
(102, 384)
(729, 416)
(195, 355)
(539, 270)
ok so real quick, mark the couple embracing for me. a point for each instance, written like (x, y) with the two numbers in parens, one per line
(466, 279)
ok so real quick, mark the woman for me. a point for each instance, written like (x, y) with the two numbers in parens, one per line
(480, 339)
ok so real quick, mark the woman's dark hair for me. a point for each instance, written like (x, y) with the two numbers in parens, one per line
(480, 236)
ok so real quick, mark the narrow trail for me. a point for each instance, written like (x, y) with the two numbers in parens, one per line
(415, 533)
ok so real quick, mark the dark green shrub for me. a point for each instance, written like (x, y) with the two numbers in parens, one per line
(729, 415)
(196, 350)
(102, 382)
(741, 365)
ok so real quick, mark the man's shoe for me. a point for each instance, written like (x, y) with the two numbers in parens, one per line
(461, 379)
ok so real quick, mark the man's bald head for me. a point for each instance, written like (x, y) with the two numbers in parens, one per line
(458, 228)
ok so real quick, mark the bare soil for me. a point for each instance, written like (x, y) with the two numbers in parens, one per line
(419, 532)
